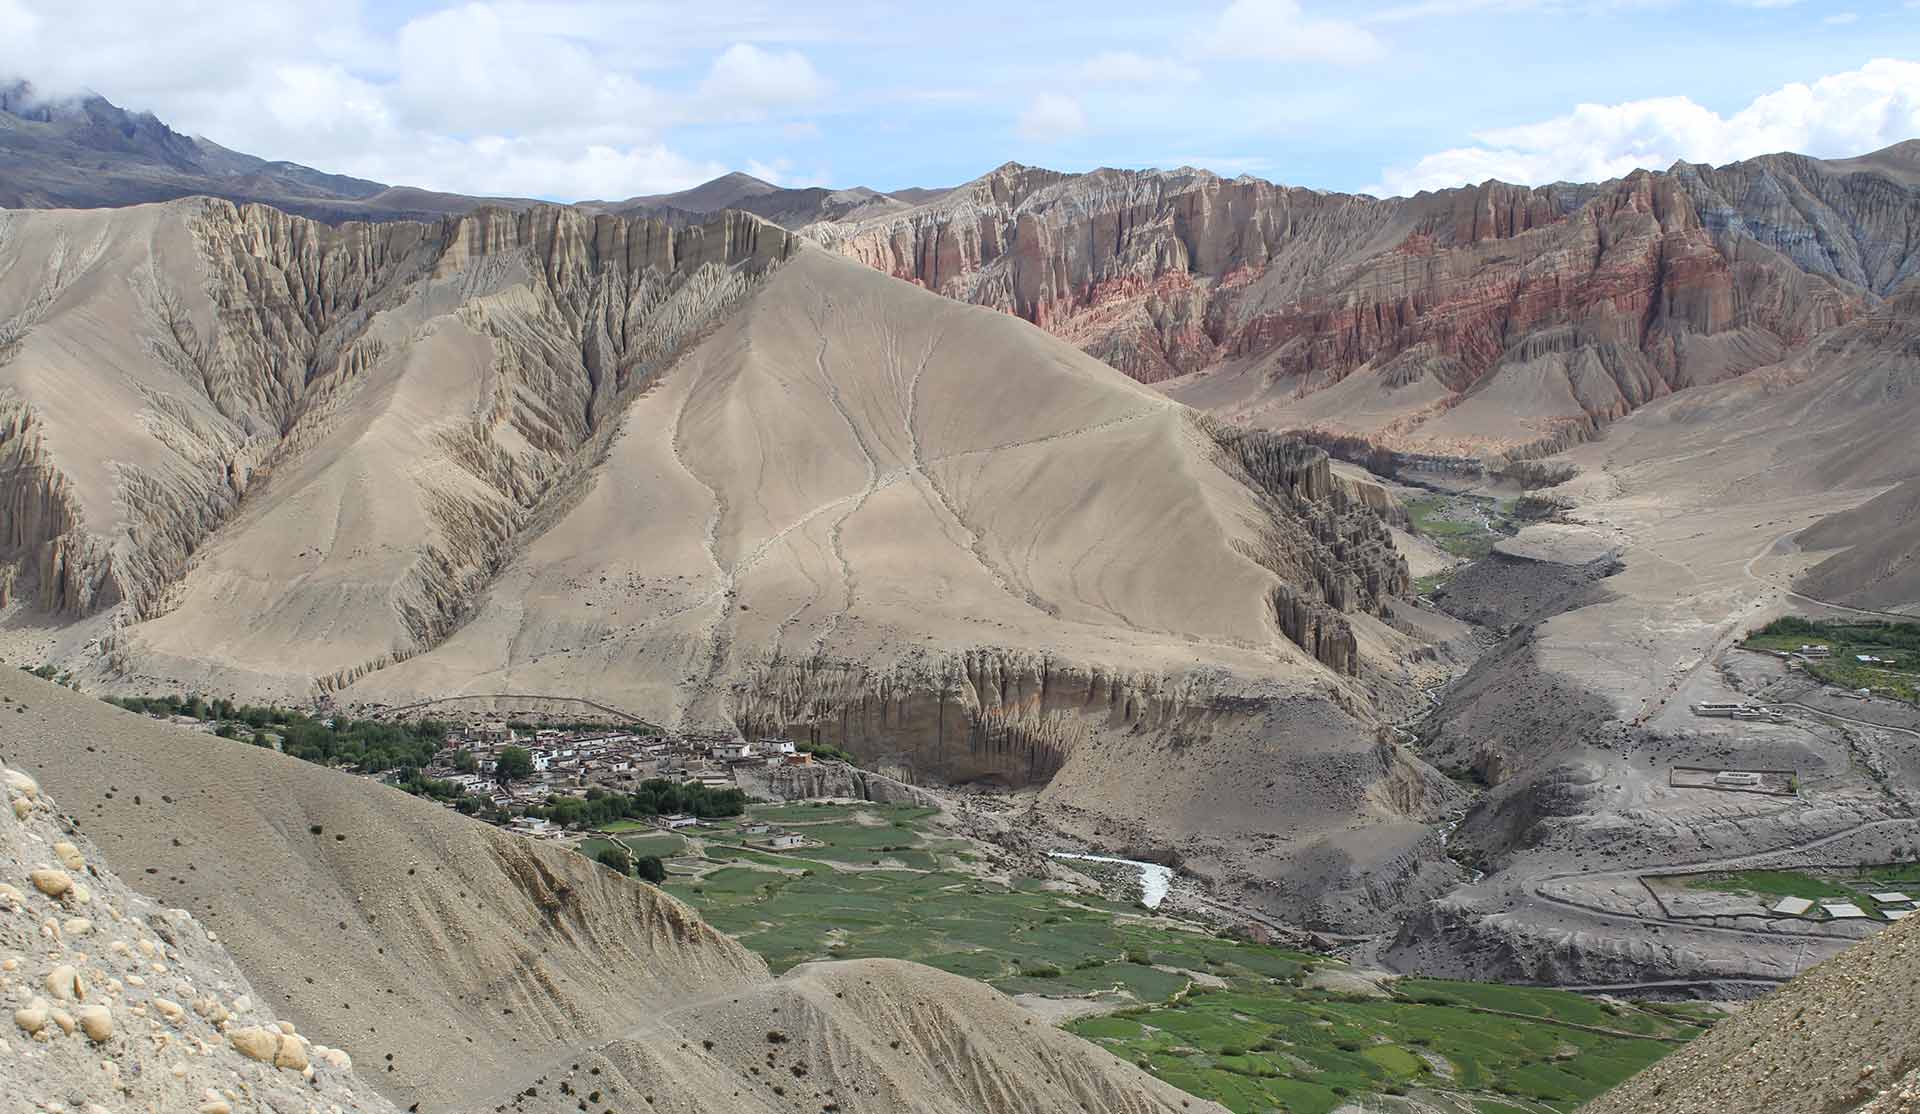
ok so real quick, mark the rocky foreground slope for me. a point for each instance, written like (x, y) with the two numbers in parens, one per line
(1481, 320)
(1842, 1038)
(119, 1003)
(462, 968)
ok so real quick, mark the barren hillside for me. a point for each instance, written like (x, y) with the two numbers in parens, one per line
(717, 478)
(462, 967)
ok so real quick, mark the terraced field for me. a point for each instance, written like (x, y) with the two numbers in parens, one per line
(1255, 1027)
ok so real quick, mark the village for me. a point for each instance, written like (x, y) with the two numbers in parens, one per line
(582, 763)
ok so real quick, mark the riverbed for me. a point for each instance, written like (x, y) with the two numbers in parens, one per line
(1155, 880)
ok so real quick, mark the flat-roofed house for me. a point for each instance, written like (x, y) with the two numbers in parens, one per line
(1791, 906)
(1892, 897)
(1843, 910)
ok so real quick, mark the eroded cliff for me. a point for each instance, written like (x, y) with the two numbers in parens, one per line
(1561, 307)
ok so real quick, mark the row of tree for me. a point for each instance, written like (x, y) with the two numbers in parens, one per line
(372, 746)
(647, 868)
(656, 797)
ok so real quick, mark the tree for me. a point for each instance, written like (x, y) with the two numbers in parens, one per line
(650, 869)
(512, 764)
(616, 859)
(464, 762)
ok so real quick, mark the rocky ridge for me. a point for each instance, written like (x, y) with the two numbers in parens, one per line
(253, 351)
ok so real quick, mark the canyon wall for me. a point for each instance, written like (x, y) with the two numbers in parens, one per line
(1603, 297)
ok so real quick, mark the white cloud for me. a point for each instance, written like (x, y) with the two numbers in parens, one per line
(1124, 67)
(1282, 31)
(1844, 114)
(1050, 118)
(751, 82)
(483, 96)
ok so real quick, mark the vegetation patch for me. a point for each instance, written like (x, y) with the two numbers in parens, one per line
(1263, 1041)
(1894, 650)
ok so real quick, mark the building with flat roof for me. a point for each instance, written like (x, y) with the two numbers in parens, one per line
(1791, 906)
(1843, 910)
(1892, 897)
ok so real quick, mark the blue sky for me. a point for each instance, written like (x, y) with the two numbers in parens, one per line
(571, 100)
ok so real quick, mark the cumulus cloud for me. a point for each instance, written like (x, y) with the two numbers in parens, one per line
(1050, 118)
(1843, 114)
(751, 81)
(1283, 31)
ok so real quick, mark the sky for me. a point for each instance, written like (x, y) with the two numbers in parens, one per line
(576, 99)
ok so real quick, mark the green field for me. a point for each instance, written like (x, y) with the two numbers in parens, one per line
(1852, 885)
(1255, 1048)
(1897, 676)
(1465, 526)
(1226, 1019)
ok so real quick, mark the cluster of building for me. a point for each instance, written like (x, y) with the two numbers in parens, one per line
(1739, 711)
(568, 763)
(1894, 906)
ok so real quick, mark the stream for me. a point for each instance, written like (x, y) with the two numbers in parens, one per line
(1155, 879)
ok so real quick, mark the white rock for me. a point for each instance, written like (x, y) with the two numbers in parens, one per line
(53, 883)
(69, 856)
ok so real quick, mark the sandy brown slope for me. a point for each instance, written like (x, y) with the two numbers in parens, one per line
(484, 964)
(710, 475)
(1878, 567)
(1844, 1036)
